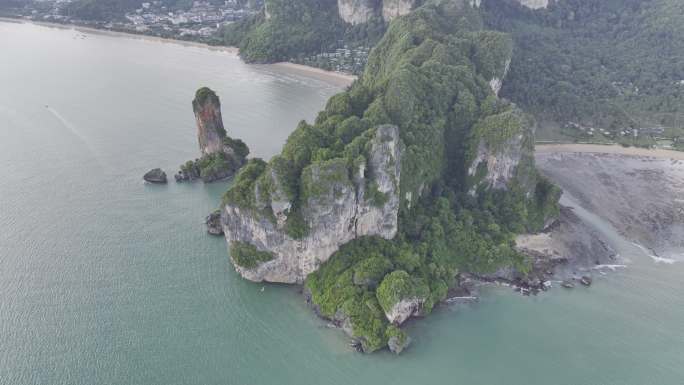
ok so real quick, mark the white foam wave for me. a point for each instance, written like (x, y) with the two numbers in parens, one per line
(72, 128)
(609, 267)
(654, 257)
(668, 261)
(65, 122)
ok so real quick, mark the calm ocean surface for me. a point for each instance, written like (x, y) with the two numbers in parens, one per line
(106, 280)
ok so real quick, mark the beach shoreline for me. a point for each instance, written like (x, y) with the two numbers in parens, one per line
(338, 78)
(608, 149)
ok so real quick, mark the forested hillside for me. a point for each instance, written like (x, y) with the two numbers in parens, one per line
(293, 28)
(618, 63)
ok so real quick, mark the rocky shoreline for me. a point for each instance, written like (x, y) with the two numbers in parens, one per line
(571, 252)
(568, 254)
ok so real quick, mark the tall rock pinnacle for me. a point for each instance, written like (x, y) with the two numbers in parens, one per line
(210, 131)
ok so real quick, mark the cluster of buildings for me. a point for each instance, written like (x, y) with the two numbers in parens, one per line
(203, 19)
(626, 132)
(342, 59)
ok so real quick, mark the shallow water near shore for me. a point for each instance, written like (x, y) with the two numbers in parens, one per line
(107, 280)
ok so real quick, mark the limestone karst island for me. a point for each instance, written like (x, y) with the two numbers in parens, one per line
(342, 191)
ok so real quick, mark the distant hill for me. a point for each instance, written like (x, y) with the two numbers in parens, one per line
(618, 63)
(612, 63)
(291, 28)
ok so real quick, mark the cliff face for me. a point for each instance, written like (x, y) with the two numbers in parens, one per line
(210, 131)
(534, 4)
(504, 150)
(337, 210)
(496, 82)
(361, 11)
(395, 8)
(358, 11)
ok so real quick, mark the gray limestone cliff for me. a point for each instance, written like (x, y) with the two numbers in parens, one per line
(534, 4)
(405, 309)
(338, 208)
(503, 152)
(358, 11)
(361, 11)
(395, 8)
(496, 82)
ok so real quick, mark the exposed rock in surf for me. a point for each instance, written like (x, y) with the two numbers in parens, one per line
(213, 222)
(397, 344)
(586, 280)
(156, 175)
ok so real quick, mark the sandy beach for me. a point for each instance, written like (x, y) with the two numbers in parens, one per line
(332, 76)
(337, 77)
(608, 149)
(636, 190)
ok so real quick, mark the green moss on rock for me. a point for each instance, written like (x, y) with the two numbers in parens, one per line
(497, 129)
(241, 193)
(247, 256)
(398, 286)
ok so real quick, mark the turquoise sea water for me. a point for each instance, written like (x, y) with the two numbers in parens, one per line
(107, 280)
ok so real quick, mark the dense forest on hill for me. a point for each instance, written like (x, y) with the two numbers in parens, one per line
(618, 63)
(613, 63)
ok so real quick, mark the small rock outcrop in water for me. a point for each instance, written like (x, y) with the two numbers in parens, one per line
(222, 155)
(586, 280)
(397, 344)
(156, 175)
(213, 222)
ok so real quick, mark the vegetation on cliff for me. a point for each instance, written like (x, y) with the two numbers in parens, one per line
(247, 256)
(429, 76)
